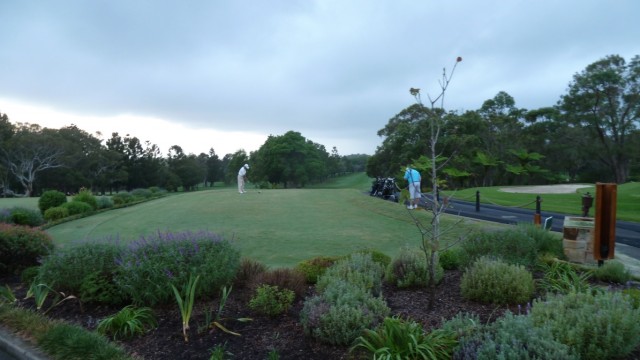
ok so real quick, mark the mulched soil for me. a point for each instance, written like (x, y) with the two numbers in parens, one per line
(283, 333)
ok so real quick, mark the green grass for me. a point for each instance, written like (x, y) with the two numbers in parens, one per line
(277, 227)
(628, 200)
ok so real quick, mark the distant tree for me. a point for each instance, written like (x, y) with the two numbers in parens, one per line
(214, 167)
(233, 164)
(605, 99)
(29, 152)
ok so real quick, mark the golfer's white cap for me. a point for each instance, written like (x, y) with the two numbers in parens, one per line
(246, 166)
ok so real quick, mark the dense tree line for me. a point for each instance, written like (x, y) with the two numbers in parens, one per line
(35, 159)
(590, 135)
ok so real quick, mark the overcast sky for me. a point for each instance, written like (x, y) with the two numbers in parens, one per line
(227, 74)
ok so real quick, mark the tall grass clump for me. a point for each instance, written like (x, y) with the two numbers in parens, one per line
(603, 325)
(148, 266)
(495, 281)
(22, 247)
(560, 277)
(86, 197)
(73, 342)
(85, 269)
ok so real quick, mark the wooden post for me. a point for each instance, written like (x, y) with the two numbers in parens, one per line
(605, 221)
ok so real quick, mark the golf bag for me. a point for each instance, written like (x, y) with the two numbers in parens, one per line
(385, 188)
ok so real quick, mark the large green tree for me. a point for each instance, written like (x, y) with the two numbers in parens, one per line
(605, 99)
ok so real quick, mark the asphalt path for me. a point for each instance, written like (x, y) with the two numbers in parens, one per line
(627, 233)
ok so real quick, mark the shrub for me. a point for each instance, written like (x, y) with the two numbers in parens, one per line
(87, 197)
(50, 199)
(340, 315)
(283, 278)
(494, 281)
(56, 213)
(104, 202)
(22, 247)
(27, 217)
(149, 265)
(249, 270)
(514, 337)
(396, 338)
(77, 207)
(633, 295)
(359, 270)
(315, 267)
(514, 245)
(452, 258)
(127, 323)
(64, 341)
(122, 198)
(613, 271)
(271, 300)
(379, 257)
(85, 270)
(546, 242)
(600, 326)
(562, 278)
(409, 269)
(141, 193)
(29, 274)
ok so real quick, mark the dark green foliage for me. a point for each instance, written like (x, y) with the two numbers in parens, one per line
(22, 247)
(249, 269)
(77, 207)
(633, 295)
(29, 274)
(604, 325)
(613, 271)
(518, 245)
(98, 287)
(127, 323)
(56, 213)
(547, 242)
(283, 278)
(73, 342)
(452, 259)
(151, 264)
(122, 198)
(24, 216)
(315, 267)
(397, 338)
(271, 300)
(50, 199)
(85, 270)
(87, 197)
(409, 269)
(494, 281)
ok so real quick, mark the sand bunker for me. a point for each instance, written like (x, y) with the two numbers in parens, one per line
(546, 189)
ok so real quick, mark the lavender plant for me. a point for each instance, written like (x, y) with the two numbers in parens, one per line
(147, 265)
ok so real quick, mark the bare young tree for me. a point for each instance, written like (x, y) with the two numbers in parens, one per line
(432, 233)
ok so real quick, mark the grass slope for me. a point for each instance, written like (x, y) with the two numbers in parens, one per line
(277, 227)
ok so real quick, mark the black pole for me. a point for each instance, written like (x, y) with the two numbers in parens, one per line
(477, 200)
(538, 201)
